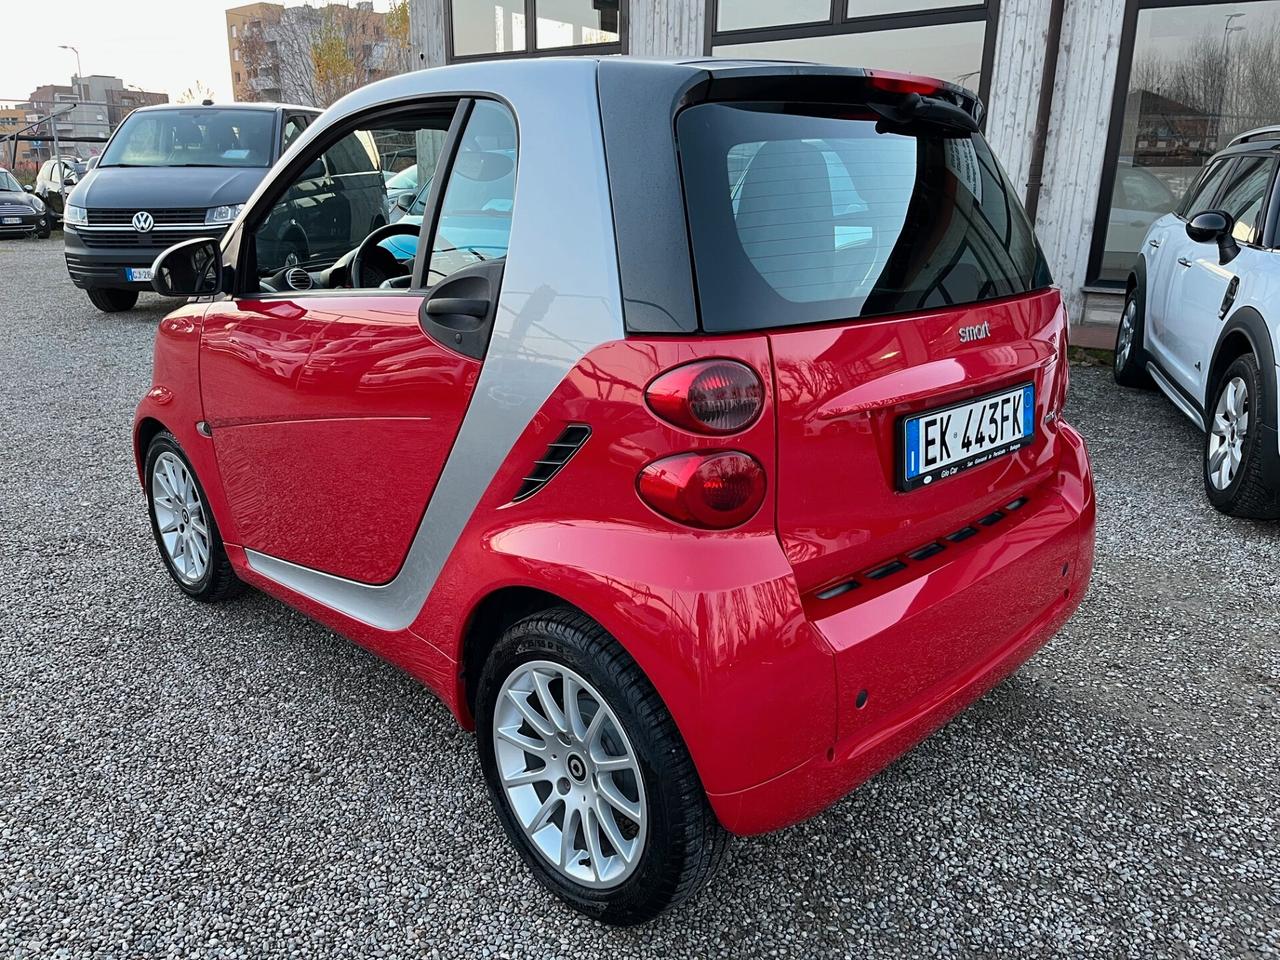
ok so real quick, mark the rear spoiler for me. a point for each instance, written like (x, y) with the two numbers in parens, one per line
(904, 98)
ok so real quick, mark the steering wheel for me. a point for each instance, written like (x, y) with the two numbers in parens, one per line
(371, 241)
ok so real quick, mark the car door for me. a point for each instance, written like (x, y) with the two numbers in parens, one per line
(1201, 282)
(333, 408)
(1166, 243)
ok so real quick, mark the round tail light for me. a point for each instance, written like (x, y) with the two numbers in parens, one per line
(714, 491)
(708, 396)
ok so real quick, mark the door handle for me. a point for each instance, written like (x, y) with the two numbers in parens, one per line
(1153, 243)
(458, 306)
(1184, 262)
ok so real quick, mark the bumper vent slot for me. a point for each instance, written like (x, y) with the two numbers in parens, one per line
(923, 552)
(549, 464)
(886, 570)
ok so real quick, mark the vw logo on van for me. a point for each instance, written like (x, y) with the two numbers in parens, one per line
(143, 221)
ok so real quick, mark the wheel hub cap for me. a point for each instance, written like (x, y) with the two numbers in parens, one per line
(180, 518)
(1227, 433)
(570, 774)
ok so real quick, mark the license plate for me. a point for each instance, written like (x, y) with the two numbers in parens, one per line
(942, 442)
(137, 273)
(11, 220)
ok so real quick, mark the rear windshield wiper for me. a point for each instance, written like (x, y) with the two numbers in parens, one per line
(914, 109)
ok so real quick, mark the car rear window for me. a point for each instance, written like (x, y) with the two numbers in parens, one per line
(810, 215)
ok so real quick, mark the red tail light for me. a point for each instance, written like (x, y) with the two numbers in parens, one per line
(714, 491)
(708, 396)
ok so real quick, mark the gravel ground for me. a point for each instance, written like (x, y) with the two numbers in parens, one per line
(180, 780)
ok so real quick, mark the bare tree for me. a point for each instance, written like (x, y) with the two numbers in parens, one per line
(196, 93)
(317, 55)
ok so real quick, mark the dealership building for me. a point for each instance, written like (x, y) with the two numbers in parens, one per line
(1101, 110)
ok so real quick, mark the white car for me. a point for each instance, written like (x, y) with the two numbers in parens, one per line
(1202, 319)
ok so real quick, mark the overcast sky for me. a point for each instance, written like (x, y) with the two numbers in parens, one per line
(165, 45)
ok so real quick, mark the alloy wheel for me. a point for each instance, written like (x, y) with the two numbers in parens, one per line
(1227, 433)
(570, 774)
(1124, 341)
(180, 518)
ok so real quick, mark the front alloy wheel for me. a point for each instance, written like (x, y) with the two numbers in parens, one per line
(1241, 469)
(184, 529)
(1227, 433)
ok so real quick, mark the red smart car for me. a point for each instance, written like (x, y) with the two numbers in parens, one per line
(702, 446)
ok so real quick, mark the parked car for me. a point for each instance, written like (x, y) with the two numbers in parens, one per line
(55, 179)
(402, 189)
(1201, 320)
(21, 212)
(168, 173)
(693, 551)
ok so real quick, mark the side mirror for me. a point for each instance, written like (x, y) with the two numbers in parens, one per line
(93, 162)
(29, 188)
(1215, 226)
(192, 268)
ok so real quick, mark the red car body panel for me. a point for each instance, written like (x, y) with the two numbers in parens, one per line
(332, 419)
(729, 618)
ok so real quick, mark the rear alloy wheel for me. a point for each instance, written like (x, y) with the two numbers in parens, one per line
(588, 773)
(112, 301)
(1130, 366)
(1234, 471)
(184, 529)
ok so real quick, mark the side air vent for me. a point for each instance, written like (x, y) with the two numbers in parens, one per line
(298, 279)
(558, 454)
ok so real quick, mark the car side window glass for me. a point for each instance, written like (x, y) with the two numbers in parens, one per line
(475, 217)
(293, 126)
(338, 199)
(1242, 198)
(1202, 192)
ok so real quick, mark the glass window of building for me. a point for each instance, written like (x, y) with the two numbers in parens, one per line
(950, 51)
(1197, 76)
(948, 39)
(486, 28)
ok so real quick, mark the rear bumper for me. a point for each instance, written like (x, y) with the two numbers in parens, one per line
(926, 648)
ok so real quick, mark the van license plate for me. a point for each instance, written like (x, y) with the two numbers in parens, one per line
(137, 274)
(945, 441)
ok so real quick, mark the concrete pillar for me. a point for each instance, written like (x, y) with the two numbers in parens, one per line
(667, 28)
(426, 32)
(1077, 143)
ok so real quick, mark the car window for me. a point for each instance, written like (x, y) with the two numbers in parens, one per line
(801, 217)
(1202, 192)
(192, 137)
(1139, 190)
(338, 198)
(475, 216)
(294, 124)
(1243, 195)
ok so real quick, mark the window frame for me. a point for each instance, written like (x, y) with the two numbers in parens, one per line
(245, 255)
(1115, 130)
(838, 23)
(531, 48)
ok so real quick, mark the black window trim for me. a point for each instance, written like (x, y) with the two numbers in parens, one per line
(1115, 129)
(531, 49)
(839, 24)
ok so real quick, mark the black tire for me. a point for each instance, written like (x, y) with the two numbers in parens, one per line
(1254, 490)
(684, 842)
(219, 581)
(112, 301)
(1130, 367)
